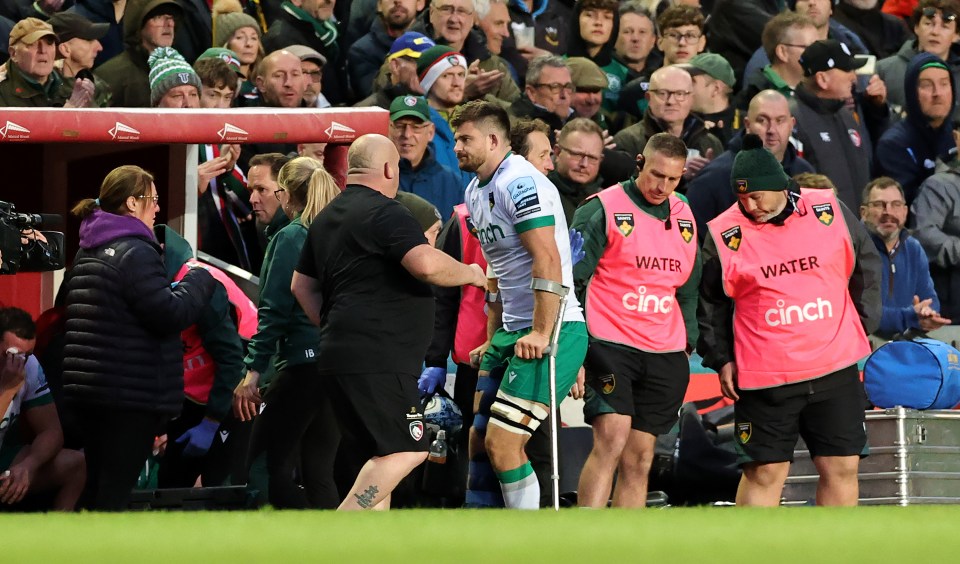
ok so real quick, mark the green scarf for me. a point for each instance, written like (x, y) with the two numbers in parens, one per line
(326, 31)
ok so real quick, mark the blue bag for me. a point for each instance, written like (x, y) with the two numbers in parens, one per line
(917, 374)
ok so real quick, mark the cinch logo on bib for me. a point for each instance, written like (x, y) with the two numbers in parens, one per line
(788, 315)
(647, 303)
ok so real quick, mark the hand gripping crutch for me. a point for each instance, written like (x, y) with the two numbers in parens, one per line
(551, 352)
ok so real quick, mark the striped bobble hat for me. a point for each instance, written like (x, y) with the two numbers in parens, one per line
(435, 61)
(168, 69)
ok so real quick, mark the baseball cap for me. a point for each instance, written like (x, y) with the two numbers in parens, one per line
(70, 25)
(712, 65)
(409, 106)
(29, 30)
(586, 75)
(307, 54)
(410, 44)
(225, 55)
(828, 54)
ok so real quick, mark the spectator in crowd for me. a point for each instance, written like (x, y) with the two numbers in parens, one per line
(736, 27)
(173, 82)
(713, 82)
(909, 300)
(811, 386)
(123, 358)
(909, 150)
(109, 12)
(239, 32)
(280, 84)
(32, 457)
(594, 31)
(78, 44)
(814, 180)
(411, 131)
(398, 75)
(212, 364)
(544, 26)
(530, 138)
(297, 428)
(366, 257)
(768, 117)
(935, 25)
(311, 64)
(785, 37)
(218, 69)
(443, 74)
(30, 79)
(311, 23)
(829, 136)
(147, 24)
(589, 83)
(493, 18)
(634, 56)
(670, 100)
(577, 157)
(637, 367)
(366, 55)
(313, 150)
(882, 33)
(450, 22)
(936, 210)
(548, 93)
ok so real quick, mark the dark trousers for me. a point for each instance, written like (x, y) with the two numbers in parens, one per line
(216, 467)
(298, 432)
(117, 443)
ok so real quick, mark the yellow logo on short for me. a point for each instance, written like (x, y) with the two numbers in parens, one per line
(744, 432)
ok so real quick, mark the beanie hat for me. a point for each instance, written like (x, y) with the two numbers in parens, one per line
(435, 61)
(755, 169)
(168, 69)
(228, 17)
(423, 211)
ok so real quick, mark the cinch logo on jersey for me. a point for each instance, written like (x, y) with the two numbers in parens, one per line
(647, 303)
(490, 234)
(788, 315)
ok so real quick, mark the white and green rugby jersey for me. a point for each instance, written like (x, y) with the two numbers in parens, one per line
(518, 198)
(34, 392)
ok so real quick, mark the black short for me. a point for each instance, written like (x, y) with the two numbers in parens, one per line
(827, 412)
(381, 410)
(648, 387)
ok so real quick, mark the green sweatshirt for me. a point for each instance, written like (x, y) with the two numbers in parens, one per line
(590, 221)
(283, 330)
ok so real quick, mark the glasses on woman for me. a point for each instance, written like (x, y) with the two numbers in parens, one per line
(277, 192)
(155, 199)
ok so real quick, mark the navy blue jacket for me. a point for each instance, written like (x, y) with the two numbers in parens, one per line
(101, 11)
(434, 182)
(710, 192)
(908, 151)
(905, 274)
(366, 56)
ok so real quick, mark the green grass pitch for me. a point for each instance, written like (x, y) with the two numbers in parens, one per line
(675, 535)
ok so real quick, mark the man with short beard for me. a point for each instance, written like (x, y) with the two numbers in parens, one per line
(443, 74)
(911, 301)
(793, 271)
(367, 53)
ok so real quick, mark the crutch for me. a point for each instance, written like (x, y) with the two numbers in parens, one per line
(551, 352)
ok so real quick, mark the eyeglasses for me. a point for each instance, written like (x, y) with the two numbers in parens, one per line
(664, 95)
(277, 192)
(880, 205)
(450, 10)
(556, 87)
(315, 76)
(413, 127)
(678, 37)
(154, 198)
(945, 15)
(591, 159)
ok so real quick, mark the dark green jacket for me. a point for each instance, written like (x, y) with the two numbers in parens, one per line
(216, 326)
(591, 222)
(283, 330)
(571, 193)
(128, 73)
(16, 91)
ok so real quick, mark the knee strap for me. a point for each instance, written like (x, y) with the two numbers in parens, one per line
(516, 415)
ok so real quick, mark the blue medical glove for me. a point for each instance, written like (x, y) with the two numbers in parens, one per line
(576, 246)
(431, 378)
(199, 438)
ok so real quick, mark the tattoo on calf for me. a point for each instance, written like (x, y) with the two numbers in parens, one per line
(365, 499)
